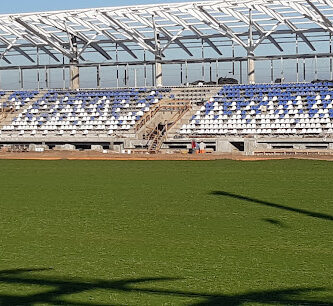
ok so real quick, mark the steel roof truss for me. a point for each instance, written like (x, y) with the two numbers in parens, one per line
(162, 29)
(266, 35)
(121, 44)
(282, 19)
(80, 35)
(11, 45)
(246, 20)
(37, 32)
(48, 52)
(133, 34)
(191, 28)
(107, 34)
(176, 40)
(320, 19)
(215, 24)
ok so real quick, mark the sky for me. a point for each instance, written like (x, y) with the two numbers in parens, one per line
(24, 6)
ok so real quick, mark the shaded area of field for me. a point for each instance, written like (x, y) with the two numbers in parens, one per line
(166, 232)
(274, 205)
(65, 287)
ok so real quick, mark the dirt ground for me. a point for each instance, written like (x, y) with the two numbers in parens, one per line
(90, 155)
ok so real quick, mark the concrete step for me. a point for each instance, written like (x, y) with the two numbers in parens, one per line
(184, 120)
(209, 93)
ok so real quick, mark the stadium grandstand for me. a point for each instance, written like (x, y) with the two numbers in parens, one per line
(240, 76)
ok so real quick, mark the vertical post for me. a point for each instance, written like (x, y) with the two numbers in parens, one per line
(203, 63)
(21, 78)
(117, 60)
(282, 72)
(240, 72)
(181, 73)
(297, 60)
(49, 76)
(233, 56)
(158, 73)
(272, 72)
(125, 75)
(331, 63)
(63, 73)
(316, 67)
(74, 68)
(135, 78)
(304, 77)
(145, 67)
(46, 78)
(98, 75)
(186, 72)
(217, 72)
(158, 57)
(250, 53)
(210, 72)
(38, 76)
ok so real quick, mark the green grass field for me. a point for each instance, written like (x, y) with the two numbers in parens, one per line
(166, 233)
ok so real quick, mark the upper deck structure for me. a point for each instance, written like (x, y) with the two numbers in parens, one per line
(150, 34)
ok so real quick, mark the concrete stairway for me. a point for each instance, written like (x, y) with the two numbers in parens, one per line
(207, 93)
(184, 120)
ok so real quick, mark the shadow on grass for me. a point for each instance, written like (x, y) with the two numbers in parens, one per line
(279, 206)
(64, 287)
(274, 222)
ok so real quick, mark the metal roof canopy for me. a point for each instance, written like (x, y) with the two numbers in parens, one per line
(155, 28)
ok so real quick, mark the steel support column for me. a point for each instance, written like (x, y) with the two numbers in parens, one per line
(38, 75)
(74, 70)
(250, 53)
(21, 78)
(98, 76)
(158, 57)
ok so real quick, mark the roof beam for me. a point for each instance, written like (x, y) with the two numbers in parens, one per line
(44, 37)
(113, 38)
(132, 33)
(11, 45)
(282, 19)
(176, 40)
(48, 52)
(65, 28)
(2, 55)
(25, 54)
(216, 25)
(191, 28)
(246, 20)
(162, 29)
(91, 42)
(266, 35)
(320, 19)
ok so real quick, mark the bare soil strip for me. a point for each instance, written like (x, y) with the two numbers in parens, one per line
(85, 155)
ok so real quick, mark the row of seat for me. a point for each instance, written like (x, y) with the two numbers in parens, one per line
(277, 109)
(83, 112)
